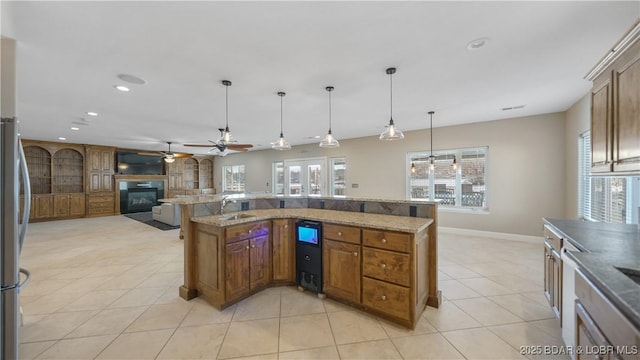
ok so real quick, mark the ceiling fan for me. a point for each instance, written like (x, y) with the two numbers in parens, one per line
(222, 145)
(226, 141)
(168, 156)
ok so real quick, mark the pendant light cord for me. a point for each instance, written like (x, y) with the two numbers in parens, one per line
(281, 96)
(329, 111)
(391, 96)
(431, 131)
(226, 107)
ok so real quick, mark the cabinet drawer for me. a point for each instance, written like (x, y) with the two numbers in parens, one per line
(246, 231)
(384, 297)
(386, 265)
(552, 238)
(100, 199)
(386, 240)
(341, 233)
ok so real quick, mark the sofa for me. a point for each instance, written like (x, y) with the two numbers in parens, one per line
(167, 213)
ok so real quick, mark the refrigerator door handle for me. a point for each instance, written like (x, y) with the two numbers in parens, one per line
(27, 196)
(26, 280)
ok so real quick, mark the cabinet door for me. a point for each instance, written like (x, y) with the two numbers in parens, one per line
(61, 205)
(260, 264)
(341, 270)
(76, 204)
(284, 254)
(42, 206)
(95, 160)
(106, 183)
(237, 269)
(601, 127)
(557, 284)
(626, 107)
(588, 337)
(548, 273)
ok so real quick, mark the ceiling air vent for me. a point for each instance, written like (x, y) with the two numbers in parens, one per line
(513, 107)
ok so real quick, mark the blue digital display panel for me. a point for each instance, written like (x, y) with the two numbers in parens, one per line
(308, 235)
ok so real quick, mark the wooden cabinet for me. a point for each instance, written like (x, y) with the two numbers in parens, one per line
(386, 267)
(247, 258)
(602, 331)
(284, 251)
(56, 174)
(615, 108)
(341, 270)
(100, 183)
(553, 270)
(190, 176)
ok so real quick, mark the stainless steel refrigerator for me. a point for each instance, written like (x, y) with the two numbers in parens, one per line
(12, 230)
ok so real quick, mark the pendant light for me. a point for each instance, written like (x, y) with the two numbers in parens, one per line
(226, 137)
(454, 164)
(391, 133)
(281, 143)
(329, 141)
(432, 164)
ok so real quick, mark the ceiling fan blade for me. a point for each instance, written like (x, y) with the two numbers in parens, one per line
(199, 145)
(239, 146)
(182, 155)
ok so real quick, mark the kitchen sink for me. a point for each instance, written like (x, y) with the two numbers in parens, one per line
(631, 274)
(235, 217)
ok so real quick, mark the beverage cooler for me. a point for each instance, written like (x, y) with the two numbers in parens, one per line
(309, 255)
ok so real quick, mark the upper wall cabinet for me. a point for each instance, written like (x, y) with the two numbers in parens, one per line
(190, 176)
(615, 108)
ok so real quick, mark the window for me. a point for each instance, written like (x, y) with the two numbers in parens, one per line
(610, 199)
(278, 178)
(462, 187)
(233, 179)
(338, 177)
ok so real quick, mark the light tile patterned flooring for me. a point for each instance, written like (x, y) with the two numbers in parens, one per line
(107, 288)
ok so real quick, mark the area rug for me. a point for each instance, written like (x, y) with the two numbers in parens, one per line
(147, 218)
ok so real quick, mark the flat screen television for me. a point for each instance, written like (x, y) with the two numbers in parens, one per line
(131, 163)
(308, 232)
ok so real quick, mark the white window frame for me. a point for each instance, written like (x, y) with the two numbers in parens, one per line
(234, 169)
(274, 178)
(458, 181)
(332, 183)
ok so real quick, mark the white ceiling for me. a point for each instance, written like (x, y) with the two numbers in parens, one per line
(70, 53)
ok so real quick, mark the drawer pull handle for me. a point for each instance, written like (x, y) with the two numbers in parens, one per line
(383, 265)
(548, 237)
(250, 231)
(253, 245)
(384, 241)
(339, 233)
(355, 253)
(247, 246)
(548, 256)
(286, 226)
(383, 297)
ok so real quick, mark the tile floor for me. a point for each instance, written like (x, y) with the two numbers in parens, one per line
(107, 288)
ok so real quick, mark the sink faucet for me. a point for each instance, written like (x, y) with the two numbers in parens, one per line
(224, 202)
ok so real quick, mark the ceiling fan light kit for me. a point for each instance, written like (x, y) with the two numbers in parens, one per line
(329, 141)
(281, 143)
(391, 133)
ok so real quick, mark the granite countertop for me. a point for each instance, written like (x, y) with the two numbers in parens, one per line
(199, 199)
(385, 222)
(603, 247)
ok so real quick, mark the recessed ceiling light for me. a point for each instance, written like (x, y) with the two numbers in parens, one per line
(121, 88)
(92, 113)
(477, 43)
(62, 138)
(131, 79)
(74, 128)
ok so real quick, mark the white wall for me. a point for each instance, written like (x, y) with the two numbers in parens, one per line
(578, 120)
(526, 169)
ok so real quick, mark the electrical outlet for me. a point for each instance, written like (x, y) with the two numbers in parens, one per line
(354, 186)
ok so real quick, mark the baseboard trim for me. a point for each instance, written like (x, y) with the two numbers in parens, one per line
(491, 234)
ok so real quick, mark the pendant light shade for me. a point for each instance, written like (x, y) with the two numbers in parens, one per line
(329, 141)
(391, 132)
(454, 164)
(226, 137)
(281, 143)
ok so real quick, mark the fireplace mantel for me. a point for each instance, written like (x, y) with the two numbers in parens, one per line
(136, 178)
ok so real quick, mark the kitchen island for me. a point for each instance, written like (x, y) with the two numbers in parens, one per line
(380, 263)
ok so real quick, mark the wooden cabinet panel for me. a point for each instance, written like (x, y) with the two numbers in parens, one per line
(237, 282)
(626, 81)
(386, 265)
(388, 298)
(284, 251)
(246, 231)
(206, 270)
(107, 159)
(42, 205)
(601, 128)
(94, 160)
(554, 240)
(386, 240)
(106, 182)
(341, 233)
(548, 274)
(588, 336)
(260, 261)
(341, 270)
(61, 205)
(100, 204)
(76, 204)
(557, 284)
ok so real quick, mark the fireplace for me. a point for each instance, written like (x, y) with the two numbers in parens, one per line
(140, 199)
